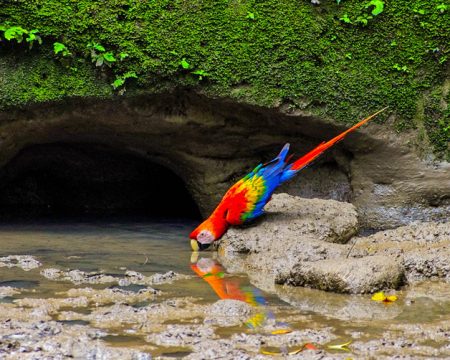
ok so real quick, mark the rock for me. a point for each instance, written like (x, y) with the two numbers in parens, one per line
(424, 248)
(354, 275)
(78, 277)
(228, 313)
(8, 291)
(114, 295)
(131, 277)
(302, 242)
(141, 319)
(293, 231)
(137, 278)
(25, 262)
(51, 340)
(291, 219)
(182, 335)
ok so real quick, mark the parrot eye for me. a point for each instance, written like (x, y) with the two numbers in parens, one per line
(205, 237)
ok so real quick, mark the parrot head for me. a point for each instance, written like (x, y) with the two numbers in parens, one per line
(207, 232)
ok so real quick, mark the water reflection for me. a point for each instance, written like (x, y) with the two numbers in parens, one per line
(213, 273)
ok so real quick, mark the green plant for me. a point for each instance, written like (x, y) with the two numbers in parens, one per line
(200, 73)
(18, 33)
(60, 48)
(363, 19)
(184, 64)
(398, 67)
(378, 6)
(345, 18)
(250, 16)
(100, 56)
(15, 33)
(442, 8)
(32, 37)
(419, 11)
(120, 79)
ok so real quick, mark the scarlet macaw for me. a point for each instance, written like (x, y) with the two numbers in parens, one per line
(246, 199)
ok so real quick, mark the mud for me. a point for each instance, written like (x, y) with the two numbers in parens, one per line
(51, 313)
(83, 323)
(53, 340)
(131, 277)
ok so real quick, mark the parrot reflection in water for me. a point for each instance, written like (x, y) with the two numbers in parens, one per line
(246, 199)
(229, 288)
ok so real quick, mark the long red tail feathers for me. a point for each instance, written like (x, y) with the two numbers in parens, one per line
(306, 159)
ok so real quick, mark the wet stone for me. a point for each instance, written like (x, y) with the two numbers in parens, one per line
(131, 277)
(182, 335)
(6, 291)
(228, 313)
(354, 275)
(302, 242)
(25, 262)
(52, 340)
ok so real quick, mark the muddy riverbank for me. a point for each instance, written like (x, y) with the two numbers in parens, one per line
(103, 297)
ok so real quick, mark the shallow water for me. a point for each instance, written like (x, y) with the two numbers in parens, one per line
(158, 247)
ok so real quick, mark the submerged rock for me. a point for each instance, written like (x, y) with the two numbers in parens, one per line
(131, 277)
(25, 262)
(8, 291)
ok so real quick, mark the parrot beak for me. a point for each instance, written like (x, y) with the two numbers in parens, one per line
(196, 246)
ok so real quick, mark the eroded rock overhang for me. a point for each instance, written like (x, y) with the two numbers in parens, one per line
(211, 143)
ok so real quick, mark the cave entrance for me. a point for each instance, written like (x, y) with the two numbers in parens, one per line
(79, 180)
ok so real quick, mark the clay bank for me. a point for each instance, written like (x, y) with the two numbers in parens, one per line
(183, 141)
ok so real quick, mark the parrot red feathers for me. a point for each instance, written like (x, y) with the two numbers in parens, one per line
(246, 199)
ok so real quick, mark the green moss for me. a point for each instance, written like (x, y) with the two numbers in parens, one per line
(290, 52)
(40, 78)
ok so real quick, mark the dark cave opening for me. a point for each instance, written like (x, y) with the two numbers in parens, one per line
(90, 181)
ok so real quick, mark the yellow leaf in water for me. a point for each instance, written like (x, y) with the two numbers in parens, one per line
(343, 346)
(281, 331)
(391, 298)
(379, 296)
(265, 352)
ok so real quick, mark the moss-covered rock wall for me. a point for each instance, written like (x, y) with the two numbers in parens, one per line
(338, 60)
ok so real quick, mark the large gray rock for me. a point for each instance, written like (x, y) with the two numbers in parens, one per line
(353, 275)
(424, 248)
(303, 242)
(291, 219)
